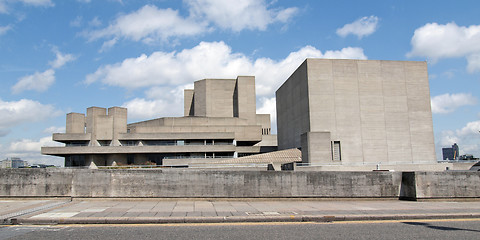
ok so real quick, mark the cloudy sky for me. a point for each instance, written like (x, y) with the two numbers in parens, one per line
(64, 56)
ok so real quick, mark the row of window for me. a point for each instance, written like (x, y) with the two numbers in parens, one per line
(157, 142)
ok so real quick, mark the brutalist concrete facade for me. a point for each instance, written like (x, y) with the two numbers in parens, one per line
(357, 112)
(220, 122)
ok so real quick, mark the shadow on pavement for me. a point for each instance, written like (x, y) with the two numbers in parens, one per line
(428, 225)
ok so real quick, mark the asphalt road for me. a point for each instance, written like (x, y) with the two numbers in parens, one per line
(438, 229)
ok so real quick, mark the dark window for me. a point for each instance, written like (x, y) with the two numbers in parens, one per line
(130, 159)
(75, 161)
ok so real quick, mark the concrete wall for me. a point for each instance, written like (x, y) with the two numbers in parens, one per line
(214, 97)
(195, 183)
(316, 148)
(188, 102)
(75, 123)
(422, 185)
(378, 110)
(245, 99)
(292, 109)
(36, 182)
(204, 183)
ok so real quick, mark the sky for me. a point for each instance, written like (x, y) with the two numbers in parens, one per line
(64, 56)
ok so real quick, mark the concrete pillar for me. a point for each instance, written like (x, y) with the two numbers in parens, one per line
(92, 113)
(119, 116)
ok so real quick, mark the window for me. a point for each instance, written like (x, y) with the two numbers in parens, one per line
(75, 161)
(77, 143)
(104, 142)
(130, 159)
(336, 151)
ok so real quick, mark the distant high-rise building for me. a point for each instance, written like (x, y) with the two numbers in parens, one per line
(450, 153)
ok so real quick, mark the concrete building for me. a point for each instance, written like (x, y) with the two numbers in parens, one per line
(451, 153)
(357, 113)
(13, 163)
(220, 121)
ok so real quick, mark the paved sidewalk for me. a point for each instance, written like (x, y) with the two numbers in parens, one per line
(245, 210)
(10, 208)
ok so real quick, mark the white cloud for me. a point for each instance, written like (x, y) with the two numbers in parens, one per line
(467, 138)
(4, 132)
(473, 62)
(150, 24)
(29, 150)
(22, 111)
(61, 59)
(167, 73)
(447, 103)
(471, 129)
(140, 108)
(243, 14)
(95, 22)
(268, 106)
(436, 41)
(77, 22)
(28, 145)
(38, 82)
(107, 45)
(54, 129)
(361, 27)
(41, 81)
(4, 4)
(448, 138)
(5, 29)
(45, 3)
(207, 60)
(3, 7)
(159, 102)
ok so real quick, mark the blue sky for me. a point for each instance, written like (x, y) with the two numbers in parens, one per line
(64, 56)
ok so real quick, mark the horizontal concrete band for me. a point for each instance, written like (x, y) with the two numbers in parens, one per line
(235, 184)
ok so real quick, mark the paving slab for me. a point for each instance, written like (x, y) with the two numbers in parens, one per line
(238, 210)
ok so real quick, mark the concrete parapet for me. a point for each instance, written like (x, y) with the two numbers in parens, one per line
(175, 183)
(428, 185)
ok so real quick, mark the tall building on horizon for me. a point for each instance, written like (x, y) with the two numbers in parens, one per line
(451, 153)
(13, 162)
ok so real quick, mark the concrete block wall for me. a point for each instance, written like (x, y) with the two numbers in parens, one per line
(195, 183)
(245, 99)
(16, 182)
(316, 148)
(214, 97)
(425, 185)
(236, 184)
(293, 116)
(75, 123)
(378, 110)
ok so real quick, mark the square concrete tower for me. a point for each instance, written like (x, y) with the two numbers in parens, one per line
(222, 98)
(352, 112)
